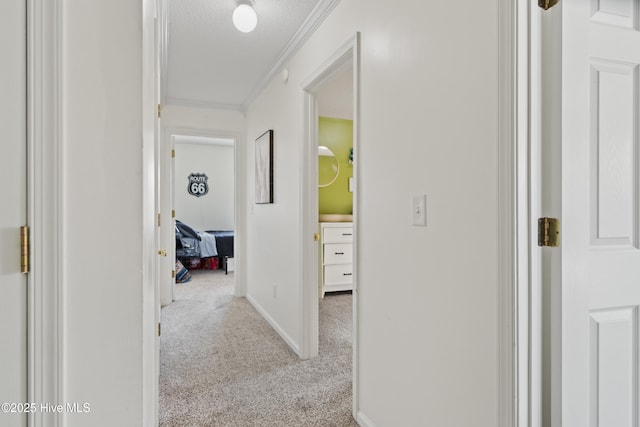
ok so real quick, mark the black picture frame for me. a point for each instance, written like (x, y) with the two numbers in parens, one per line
(264, 168)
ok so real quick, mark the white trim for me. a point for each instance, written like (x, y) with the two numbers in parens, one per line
(345, 55)
(309, 311)
(290, 342)
(203, 140)
(150, 360)
(355, 349)
(506, 221)
(240, 190)
(523, 216)
(528, 161)
(46, 341)
(364, 421)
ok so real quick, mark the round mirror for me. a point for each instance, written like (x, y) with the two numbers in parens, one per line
(328, 167)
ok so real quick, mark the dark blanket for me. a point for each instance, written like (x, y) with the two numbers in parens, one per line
(224, 242)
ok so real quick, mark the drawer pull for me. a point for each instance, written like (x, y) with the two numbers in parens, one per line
(339, 253)
(347, 274)
(347, 234)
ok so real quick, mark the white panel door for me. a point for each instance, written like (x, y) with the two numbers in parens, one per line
(601, 208)
(13, 286)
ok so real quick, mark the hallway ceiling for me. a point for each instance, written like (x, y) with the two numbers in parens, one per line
(207, 62)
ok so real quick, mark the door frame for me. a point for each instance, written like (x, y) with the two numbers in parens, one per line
(345, 55)
(166, 164)
(537, 194)
(46, 340)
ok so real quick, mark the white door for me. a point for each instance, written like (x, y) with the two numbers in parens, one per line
(13, 212)
(601, 213)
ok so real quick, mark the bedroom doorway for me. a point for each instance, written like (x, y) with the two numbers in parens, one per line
(201, 182)
(204, 195)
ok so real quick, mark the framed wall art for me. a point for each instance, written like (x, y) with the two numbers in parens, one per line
(264, 168)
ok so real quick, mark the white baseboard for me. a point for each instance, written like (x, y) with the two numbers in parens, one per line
(290, 342)
(364, 421)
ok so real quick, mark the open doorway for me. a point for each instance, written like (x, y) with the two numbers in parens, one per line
(325, 269)
(203, 197)
(200, 182)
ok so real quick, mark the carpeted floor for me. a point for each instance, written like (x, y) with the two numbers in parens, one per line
(221, 364)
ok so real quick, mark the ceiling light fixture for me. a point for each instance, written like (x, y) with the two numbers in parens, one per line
(244, 17)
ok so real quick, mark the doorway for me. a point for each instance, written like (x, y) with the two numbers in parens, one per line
(211, 208)
(203, 197)
(343, 62)
(579, 341)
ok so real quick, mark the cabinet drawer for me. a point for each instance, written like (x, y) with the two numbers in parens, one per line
(338, 274)
(338, 253)
(338, 234)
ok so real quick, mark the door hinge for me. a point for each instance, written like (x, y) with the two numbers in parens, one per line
(547, 4)
(173, 274)
(173, 153)
(24, 249)
(159, 328)
(158, 220)
(548, 232)
(173, 213)
(159, 110)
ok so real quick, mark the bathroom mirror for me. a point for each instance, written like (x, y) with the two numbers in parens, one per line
(328, 167)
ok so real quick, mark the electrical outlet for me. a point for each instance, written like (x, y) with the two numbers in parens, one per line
(419, 210)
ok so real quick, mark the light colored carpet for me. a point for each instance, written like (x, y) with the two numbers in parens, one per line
(221, 363)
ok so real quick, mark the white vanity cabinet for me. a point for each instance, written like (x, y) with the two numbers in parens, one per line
(336, 256)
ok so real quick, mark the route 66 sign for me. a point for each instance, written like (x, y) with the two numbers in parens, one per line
(198, 185)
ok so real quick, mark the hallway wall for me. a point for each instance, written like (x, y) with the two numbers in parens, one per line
(105, 111)
(427, 296)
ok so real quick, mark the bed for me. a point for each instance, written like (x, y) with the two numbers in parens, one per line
(193, 245)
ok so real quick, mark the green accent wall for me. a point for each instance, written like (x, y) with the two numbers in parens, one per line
(337, 135)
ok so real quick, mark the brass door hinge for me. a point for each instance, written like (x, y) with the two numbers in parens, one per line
(173, 214)
(173, 274)
(24, 249)
(158, 220)
(158, 329)
(159, 110)
(173, 153)
(548, 232)
(547, 4)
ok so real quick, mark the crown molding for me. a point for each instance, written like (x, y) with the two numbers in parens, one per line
(308, 27)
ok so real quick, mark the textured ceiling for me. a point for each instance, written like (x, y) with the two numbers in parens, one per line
(208, 63)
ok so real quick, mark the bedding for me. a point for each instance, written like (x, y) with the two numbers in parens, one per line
(194, 244)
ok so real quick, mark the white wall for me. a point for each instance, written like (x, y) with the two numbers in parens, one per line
(427, 296)
(335, 97)
(219, 122)
(214, 210)
(106, 116)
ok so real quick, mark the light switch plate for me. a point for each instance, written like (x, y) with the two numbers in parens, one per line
(419, 210)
